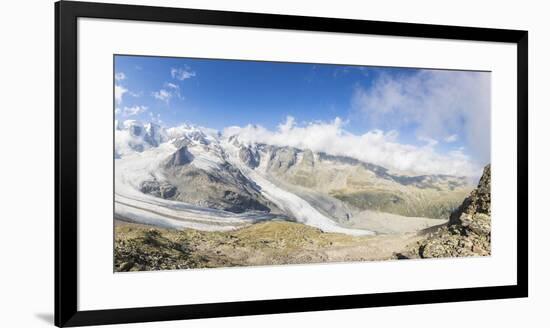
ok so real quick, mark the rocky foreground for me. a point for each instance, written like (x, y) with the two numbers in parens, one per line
(468, 232)
(144, 248)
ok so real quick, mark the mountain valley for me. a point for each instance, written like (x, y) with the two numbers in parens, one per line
(197, 184)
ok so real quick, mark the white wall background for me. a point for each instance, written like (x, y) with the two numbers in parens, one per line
(26, 165)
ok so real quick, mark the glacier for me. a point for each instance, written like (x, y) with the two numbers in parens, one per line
(140, 150)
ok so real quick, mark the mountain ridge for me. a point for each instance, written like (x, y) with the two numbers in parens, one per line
(194, 166)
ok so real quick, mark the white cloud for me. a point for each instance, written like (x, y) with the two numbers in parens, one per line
(182, 73)
(134, 110)
(130, 111)
(175, 89)
(119, 92)
(451, 138)
(168, 92)
(135, 94)
(163, 95)
(429, 141)
(120, 76)
(439, 103)
(375, 146)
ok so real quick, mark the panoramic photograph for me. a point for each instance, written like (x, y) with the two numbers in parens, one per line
(230, 163)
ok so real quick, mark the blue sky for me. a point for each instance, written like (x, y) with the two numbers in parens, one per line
(421, 108)
(225, 92)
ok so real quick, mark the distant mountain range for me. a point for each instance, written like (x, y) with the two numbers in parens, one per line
(195, 177)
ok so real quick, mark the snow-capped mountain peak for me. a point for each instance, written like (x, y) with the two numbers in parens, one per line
(135, 136)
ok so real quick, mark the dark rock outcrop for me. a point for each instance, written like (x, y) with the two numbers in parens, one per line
(181, 157)
(159, 189)
(479, 200)
(282, 158)
(249, 156)
(468, 232)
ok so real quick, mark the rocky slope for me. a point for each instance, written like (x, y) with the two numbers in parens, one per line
(468, 232)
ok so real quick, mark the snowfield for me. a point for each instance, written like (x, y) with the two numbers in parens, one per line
(133, 205)
(140, 161)
(290, 203)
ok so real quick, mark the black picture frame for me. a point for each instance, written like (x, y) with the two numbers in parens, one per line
(66, 15)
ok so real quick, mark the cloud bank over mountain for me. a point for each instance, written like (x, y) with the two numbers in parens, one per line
(375, 146)
(419, 121)
(441, 105)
